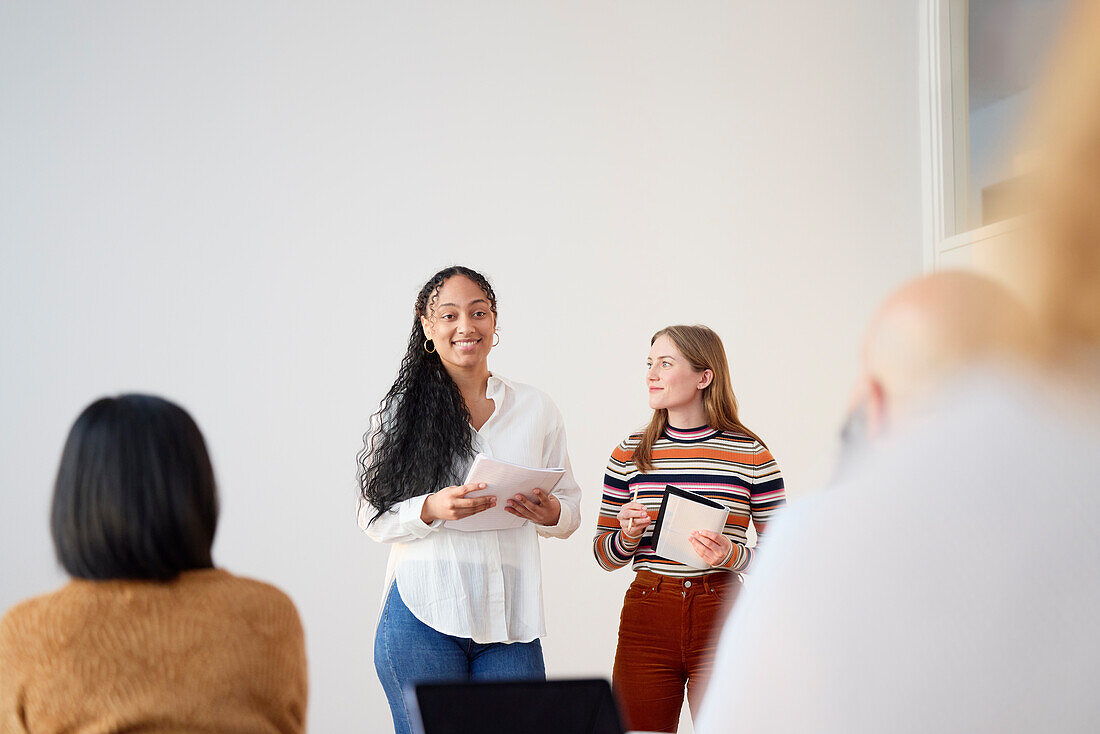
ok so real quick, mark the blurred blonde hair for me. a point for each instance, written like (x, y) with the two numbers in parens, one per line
(703, 349)
(1061, 267)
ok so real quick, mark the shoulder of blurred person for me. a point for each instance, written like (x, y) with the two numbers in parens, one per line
(227, 649)
(947, 583)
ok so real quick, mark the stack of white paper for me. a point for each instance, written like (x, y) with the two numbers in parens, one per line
(503, 480)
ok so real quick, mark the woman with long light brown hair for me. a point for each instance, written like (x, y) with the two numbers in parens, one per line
(695, 441)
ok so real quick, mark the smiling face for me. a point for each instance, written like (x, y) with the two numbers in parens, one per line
(672, 381)
(460, 321)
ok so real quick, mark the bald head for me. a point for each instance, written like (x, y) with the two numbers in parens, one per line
(933, 327)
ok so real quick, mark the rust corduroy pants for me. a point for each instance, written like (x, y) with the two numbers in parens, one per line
(668, 633)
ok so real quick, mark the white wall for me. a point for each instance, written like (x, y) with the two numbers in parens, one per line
(233, 205)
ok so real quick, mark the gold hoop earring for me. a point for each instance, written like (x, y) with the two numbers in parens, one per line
(426, 343)
(496, 335)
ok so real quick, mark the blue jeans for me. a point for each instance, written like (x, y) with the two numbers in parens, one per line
(407, 652)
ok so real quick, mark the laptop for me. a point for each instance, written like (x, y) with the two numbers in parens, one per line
(583, 706)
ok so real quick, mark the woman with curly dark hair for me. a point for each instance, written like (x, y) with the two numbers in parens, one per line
(459, 605)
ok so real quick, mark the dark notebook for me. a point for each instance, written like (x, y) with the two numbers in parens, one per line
(662, 515)
(515, 707)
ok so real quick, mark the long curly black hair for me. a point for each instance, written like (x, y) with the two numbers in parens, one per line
(422, 427)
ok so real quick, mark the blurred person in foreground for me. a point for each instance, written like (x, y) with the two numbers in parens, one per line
(922, 591)
(148, 636)
(923, 336)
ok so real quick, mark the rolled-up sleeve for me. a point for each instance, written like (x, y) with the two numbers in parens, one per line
(567, 491)
(399, 524)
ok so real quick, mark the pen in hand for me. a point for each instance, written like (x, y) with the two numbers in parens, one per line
(630, 520)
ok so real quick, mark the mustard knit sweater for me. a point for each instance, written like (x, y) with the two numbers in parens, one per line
(208, 651)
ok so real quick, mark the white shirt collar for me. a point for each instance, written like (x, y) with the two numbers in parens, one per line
(496, 385)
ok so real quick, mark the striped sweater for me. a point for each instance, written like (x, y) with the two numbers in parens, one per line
(730, 468)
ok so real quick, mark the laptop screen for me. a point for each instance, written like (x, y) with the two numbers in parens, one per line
(515, 707)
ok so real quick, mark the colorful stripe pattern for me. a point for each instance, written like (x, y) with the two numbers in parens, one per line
(729, 468)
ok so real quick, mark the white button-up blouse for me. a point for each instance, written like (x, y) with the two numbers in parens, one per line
(484, 585)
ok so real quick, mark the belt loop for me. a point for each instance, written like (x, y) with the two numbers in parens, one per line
(659, 579)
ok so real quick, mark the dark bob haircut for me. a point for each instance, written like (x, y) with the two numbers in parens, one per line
(135, 495)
